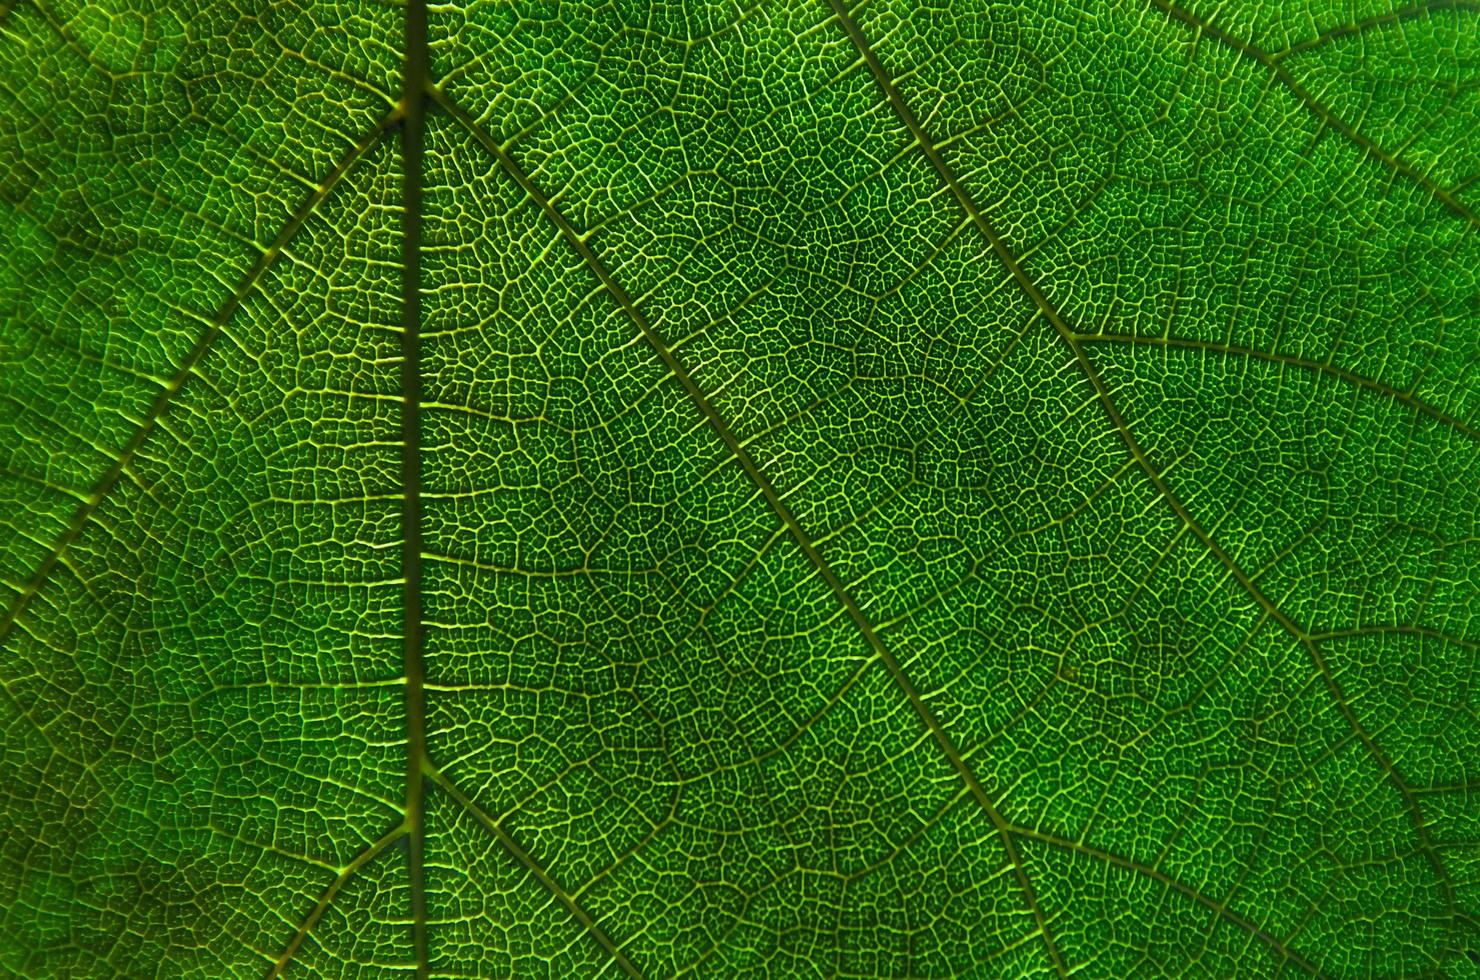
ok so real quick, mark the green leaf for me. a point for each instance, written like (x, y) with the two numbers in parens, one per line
(902, 490)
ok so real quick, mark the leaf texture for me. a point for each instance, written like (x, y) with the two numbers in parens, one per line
(795, 489)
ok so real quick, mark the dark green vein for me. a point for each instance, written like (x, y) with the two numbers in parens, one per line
(773, 498)
(1219, 908)
(414, 82)
(89, 505)
(327, 898)
(1386, 390)
(1378, 21)
(1318, 108)
(529, 864)
(1107, 403)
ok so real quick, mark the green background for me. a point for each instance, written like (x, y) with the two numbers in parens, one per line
(931, 488)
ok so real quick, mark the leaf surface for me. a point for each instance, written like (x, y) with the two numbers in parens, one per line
(791, 489)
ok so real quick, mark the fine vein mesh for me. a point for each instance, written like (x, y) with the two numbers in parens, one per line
(893, 490)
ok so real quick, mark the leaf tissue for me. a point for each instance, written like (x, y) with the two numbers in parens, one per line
(792, 488)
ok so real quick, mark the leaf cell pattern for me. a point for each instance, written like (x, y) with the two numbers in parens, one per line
(801, 488)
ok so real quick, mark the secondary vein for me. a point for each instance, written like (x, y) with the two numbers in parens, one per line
(1071, 339)
(527, 861)
(89, 504)
(777, 504)
(1318, 108)
(327, 898)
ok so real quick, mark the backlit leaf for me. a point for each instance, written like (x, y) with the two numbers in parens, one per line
(910, 489)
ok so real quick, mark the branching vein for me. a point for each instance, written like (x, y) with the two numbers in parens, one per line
(1071, 339)
(777, 504)
(1319, 109)
(89, 505)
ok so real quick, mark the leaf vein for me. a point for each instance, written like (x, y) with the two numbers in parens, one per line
(1319, 109)
(527, 860)
(1406, 397)
(327, 898)
(88, 506)
(767, 490)
(1102, 394)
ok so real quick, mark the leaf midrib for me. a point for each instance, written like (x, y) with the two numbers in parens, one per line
(415, 80)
